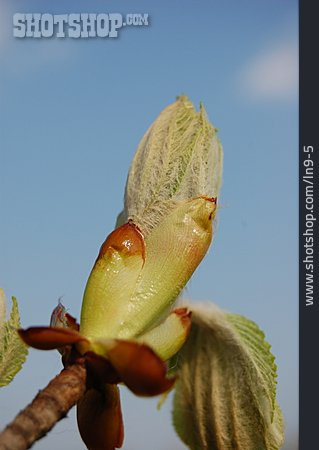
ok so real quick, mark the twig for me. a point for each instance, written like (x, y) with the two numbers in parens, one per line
(48, 407)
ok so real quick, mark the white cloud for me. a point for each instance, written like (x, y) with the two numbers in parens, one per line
(273, 74)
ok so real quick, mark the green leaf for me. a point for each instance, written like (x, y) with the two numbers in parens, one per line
(13, 351)
(226, 394)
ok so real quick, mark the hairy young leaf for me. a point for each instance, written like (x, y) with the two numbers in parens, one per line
(179, 158)
(226, 392)
(13, 351)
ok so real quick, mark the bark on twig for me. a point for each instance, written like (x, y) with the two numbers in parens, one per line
(48, 407)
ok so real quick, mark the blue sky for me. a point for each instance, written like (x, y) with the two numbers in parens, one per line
(73, 112)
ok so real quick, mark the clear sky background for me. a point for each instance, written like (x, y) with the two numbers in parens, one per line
(72, 114)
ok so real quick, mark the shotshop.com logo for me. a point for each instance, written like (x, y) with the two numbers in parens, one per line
(74, 25)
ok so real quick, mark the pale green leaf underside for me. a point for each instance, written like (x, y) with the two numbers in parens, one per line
(13, 351)
(226, 394)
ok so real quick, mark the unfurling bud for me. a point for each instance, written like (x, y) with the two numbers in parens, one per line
(170, 203)
(128, 329)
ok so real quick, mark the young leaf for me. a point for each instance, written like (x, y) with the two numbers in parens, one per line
(179, 158)
(13, 351)
(226, 391)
